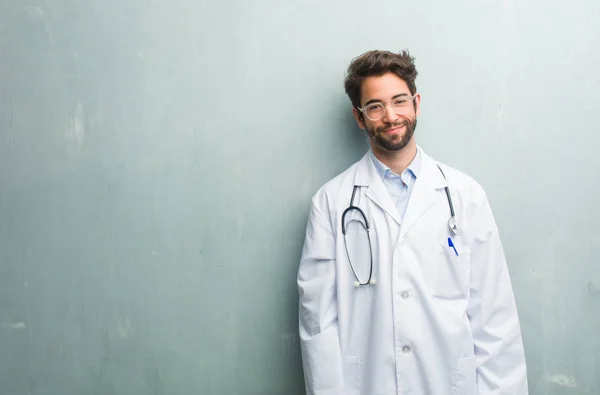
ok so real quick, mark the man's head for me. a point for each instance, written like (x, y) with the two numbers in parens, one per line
(381, 87)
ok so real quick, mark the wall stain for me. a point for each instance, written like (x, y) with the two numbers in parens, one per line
(594, 290)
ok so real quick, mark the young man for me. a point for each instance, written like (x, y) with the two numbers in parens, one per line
(403, 283)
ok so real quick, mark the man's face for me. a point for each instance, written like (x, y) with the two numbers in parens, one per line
(393, 131)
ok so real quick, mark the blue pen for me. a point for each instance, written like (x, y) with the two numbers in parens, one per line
(451, 244)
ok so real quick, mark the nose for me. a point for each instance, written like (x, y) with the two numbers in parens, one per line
(390, 114)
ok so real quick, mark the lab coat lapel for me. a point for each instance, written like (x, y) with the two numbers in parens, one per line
(424, 193)
(367, 176)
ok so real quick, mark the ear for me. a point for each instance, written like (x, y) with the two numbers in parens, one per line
(417, 104)
(358, 116)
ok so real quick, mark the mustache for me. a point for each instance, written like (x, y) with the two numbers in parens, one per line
(393, 126)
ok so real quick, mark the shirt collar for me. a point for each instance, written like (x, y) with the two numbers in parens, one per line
(414, 167)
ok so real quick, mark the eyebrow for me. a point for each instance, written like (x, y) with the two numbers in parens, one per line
(381, 101)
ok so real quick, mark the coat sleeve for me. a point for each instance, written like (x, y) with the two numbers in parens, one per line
(492, 311)
(318, 324)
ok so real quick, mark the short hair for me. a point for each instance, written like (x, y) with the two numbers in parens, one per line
(377, 63)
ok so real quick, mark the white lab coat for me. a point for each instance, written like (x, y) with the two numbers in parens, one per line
(434, 323)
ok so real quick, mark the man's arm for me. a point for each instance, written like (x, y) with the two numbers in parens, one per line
(492, 311)
(319, 338)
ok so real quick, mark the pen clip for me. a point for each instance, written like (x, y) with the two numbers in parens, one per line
(451, 245)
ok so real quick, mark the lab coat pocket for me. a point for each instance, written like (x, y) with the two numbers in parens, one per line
(451, 272)
(465, 377)
(351, 374)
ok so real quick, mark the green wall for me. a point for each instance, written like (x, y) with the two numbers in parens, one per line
(157, 160)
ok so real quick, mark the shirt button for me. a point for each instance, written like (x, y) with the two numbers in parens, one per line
(401, 242)
(406, 350)
(404, 295)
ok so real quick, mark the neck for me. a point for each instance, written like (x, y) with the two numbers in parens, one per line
(399, 160)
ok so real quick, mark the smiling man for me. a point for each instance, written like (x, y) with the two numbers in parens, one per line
(403, 282)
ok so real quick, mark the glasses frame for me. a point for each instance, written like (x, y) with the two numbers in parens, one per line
(385, 106)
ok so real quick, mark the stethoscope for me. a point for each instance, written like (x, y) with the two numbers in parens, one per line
(451, 224)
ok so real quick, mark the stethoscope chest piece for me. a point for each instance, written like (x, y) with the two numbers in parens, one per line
(452, 225)
(370, 282)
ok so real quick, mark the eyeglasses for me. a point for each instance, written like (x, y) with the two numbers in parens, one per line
(400, 105)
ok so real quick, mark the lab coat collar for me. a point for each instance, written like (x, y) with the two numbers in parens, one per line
(423, 195)
(367, 176)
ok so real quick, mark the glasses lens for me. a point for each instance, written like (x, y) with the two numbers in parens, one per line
(374, 111)
(401, 105)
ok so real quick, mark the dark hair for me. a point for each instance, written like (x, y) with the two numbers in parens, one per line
(376, 63)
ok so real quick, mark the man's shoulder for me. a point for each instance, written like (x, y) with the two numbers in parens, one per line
(329, 191)
(462, 183)
(456, 175)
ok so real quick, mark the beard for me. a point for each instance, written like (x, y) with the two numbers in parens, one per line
(396, 142)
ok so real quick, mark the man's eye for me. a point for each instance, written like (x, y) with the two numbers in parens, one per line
(400, 102)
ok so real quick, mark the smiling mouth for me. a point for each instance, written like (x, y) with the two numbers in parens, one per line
(394, 129)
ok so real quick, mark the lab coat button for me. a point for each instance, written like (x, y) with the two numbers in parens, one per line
(401, 242)
(404, 295)
(406, 350)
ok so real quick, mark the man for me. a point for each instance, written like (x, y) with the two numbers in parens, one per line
(407, 291)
